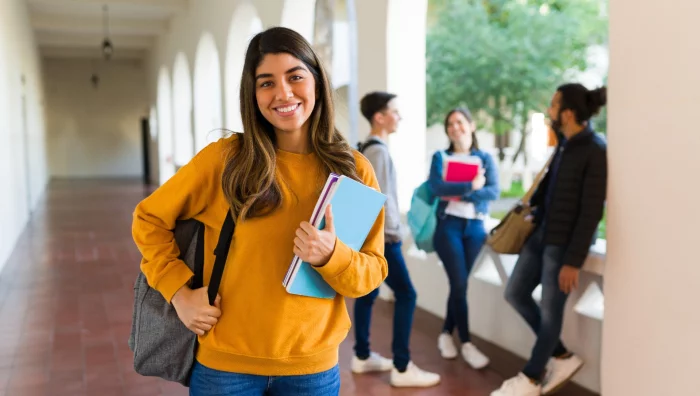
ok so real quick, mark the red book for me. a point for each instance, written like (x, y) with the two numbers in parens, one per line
(461, 169)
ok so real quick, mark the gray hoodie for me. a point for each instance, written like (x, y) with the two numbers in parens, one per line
(378, 155)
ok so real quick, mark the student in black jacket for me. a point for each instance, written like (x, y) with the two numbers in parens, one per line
(569, 205)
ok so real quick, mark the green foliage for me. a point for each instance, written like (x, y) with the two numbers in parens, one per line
(516, 190)
(600, 122)
(504, 58)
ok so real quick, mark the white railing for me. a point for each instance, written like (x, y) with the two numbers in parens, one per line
(491, 317)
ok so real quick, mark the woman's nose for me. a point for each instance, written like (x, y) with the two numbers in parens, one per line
(284, 92)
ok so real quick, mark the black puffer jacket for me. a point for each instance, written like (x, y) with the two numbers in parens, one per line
(578, 198)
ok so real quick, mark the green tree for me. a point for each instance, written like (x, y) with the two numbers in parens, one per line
(504, 58)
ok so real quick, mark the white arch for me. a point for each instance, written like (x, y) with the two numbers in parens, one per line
(182, 107)
(208, 119)
(244, 26)
(299, 15)
(153, 123)
(166, 168)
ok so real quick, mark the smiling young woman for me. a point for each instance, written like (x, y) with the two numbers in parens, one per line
(269, 177)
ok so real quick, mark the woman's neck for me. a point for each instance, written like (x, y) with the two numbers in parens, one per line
(294, 141)
(458, 149)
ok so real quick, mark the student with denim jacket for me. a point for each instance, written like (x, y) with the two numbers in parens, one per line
(460, 233)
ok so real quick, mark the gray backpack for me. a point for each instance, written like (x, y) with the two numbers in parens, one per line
(162, 345)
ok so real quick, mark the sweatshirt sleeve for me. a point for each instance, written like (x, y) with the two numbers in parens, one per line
(355, 274)
(183, 196)
(491, 190)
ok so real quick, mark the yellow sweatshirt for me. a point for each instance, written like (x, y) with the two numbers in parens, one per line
(263, 330)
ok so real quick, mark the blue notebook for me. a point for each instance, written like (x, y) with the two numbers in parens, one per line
(355, 209)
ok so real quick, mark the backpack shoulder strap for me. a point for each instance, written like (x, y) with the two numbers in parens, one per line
(221, 253)
(198, 280)
(538, 179)
(364, 146)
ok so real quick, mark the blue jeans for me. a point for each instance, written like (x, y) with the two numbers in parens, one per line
(458, 242)
(539, 263)
(400, 282)
(210, 382)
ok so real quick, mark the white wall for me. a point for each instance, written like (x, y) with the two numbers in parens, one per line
(22, 152)
(95, 132)
(650, 334)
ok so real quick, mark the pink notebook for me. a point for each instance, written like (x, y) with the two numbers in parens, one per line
(461, 169)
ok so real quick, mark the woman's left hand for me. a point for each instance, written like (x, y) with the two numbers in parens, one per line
(316, 246)
(479, 181)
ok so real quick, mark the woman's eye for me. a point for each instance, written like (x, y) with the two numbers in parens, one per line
(265, 84)
(295, 78)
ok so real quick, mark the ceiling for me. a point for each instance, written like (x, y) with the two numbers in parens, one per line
(75, 28)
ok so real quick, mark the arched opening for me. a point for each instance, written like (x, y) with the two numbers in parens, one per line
(182, 107)
(244, 26)
(166, 167)
(208, 118)
(153, 123)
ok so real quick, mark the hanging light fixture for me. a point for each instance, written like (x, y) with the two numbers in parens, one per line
(107, 47)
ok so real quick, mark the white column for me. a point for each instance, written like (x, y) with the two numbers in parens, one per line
(372, 41)
(299, 16)
(652, 312)
(391, 57)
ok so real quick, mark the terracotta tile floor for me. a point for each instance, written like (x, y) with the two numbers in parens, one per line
(66, 297)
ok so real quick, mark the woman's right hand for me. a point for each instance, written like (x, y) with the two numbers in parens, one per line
(193, 309)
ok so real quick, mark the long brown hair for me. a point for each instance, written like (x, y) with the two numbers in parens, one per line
(468, 115)
(248, 180)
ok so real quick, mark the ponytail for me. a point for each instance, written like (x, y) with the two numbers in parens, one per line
(583, 102)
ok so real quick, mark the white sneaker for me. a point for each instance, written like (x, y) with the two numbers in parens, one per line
(559, 372)
(447, 347)
(519, 385)
(413, 377)
(474, 357)
(374, 363)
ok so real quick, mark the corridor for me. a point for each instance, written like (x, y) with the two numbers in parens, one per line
(97, 96)
(65, 309)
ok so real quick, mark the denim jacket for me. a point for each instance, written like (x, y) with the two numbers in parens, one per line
(480, 198)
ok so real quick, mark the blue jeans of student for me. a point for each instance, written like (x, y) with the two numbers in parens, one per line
(400, 282)
(458, 242)
(210, 382)
(539, 264)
